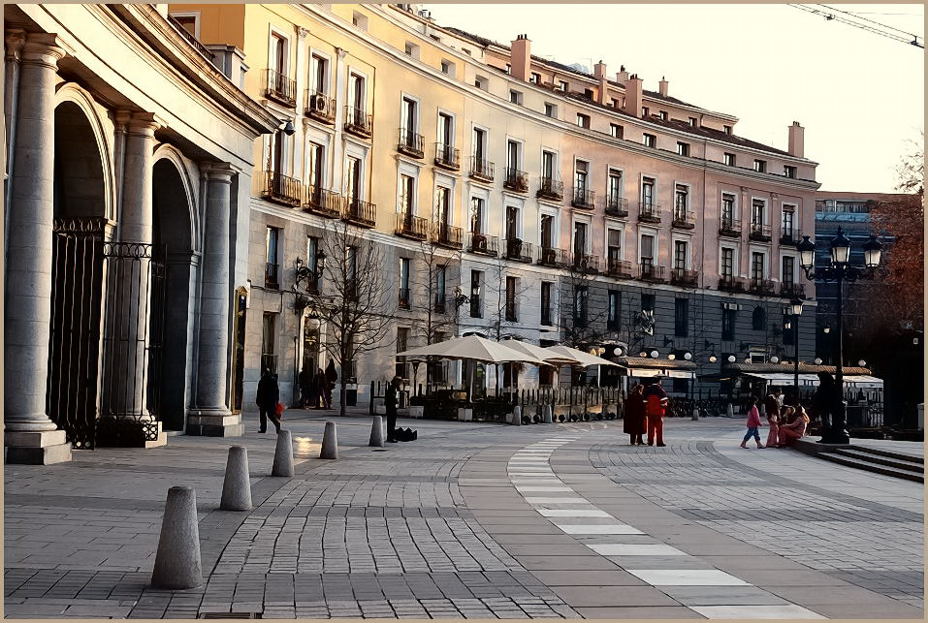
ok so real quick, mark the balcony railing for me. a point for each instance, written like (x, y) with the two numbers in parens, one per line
(584, 263)
(792, 290)
(403, 300)
(483, 244)
(192, 40)
(320, 107)
(447, 157)
(763, 287)
(684, 219)
(790, 237)
(550, 188)
(282, 189)
(616, 206)
(363, 213)
(271, 276)
(516, 180)
(358, 122)
(580, 197)
(481, 169)
(730, 283)
(410, 143)
(649, 212)
(323, 202)
(280, 88)
(410, 226)
(549, 256)
(448, 236)
(760, 232)
(683, 277)
(647, 271)
(730, 227)
(618, 268)
(518, 250)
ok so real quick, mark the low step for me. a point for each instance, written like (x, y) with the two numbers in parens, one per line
(871, 467)
(863, 454)
(890, 453)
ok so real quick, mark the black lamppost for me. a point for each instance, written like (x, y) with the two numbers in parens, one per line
(839, 271)
(793, 311)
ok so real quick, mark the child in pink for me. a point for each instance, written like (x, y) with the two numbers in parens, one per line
(753, 424)
(773, 420)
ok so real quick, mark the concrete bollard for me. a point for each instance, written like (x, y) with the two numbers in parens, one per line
(329, 442)
(548, 414)
(236, 487)
(377, 435)
(177, 563)
(283, 455)
(729, 411)
(517, 415)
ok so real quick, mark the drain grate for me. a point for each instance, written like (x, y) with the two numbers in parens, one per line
(230, 615)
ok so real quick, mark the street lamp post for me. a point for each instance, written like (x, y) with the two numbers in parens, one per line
(794, 310)
(839, 271)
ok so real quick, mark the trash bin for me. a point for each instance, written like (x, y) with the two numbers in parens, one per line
(351, 395)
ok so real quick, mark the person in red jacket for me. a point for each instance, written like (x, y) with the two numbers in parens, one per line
(753, 424)
(655, 400)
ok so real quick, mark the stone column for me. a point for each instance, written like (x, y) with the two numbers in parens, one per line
(31, 437)
(15, 40)
(211, 415)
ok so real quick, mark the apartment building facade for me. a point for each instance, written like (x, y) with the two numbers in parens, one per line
(511, 195)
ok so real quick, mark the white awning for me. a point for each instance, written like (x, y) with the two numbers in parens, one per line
(860, 381)
(863, 381)
(646, 373)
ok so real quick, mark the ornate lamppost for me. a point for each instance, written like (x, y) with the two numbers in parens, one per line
(839, 271)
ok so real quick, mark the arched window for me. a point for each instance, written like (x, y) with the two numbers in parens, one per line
(759, 319)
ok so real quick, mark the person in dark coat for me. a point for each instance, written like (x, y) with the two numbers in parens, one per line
(391, 401)
(634, 422)
(306, 381)
(824, 399)
(331, 375)
(320, 385)
(267, 397)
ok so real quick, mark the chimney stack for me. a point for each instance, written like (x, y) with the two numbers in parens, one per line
(599, 72)
(622, 76)
(662, 86)
(521, 58)
(796, 140)
(633, 96)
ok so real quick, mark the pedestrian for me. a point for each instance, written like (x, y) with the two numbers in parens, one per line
(823, 399)
(794, 430)
(319, 383)
(772, 403)
(753, 424)
(390, 401)
(267, 397)
(306, 381)
(635, 422)
(655, 406)
(330, 377)
(774, 420)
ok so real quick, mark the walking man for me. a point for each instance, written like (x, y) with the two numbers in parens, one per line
(655, 405)
(391, 400)
(267, 397)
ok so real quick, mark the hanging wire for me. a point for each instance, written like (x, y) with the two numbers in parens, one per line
(863, 23)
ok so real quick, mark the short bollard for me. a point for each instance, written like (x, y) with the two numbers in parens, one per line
(517, 415)
(376, 432)
(729, 411)
(329, 442)
(283, 455)
(548, 414)
(236, 487)
(177, 563)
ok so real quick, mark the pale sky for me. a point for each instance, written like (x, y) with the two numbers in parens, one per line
(860, 96)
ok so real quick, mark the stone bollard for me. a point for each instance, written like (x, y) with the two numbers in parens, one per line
(329, 442)
(177, 563)
(517, 415)
(376, 440)
(729, 411)
(283, 455)
(236, 487)
(548, 414)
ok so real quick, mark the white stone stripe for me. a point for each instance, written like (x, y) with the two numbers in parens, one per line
(542, 489)
(624, 549)
(687, 577)
(790, 611)
(567, 499)
(572, 512)
(598, 529)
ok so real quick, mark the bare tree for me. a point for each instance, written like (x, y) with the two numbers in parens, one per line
(503, 310)
(581, 323)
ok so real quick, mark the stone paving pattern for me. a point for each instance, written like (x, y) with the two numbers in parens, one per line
(450, 526)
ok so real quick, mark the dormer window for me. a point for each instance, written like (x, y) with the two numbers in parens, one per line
(649, 140)
(683, 149)
(535, 78)
(694, 121)
(515, 97)
(729, 159)
(583, 121)
(789, 171)
(663, 115)
(760, 166)
(562, 85)
(727, 129)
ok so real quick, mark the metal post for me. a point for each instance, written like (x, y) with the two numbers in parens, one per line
(796, 361)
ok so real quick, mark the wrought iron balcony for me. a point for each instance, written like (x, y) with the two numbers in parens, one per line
(649, 212)
(790, 237)
(730, 227)
(516, 180)
(410, 226)
(760, 232)
(647, 271)
(618, 268)
(320, 107)
(280, 88)
(410, 143)
(580, 197)
(683, 219)
(683, 277)
(447, 236)
(792, 290)
(282, 189)
(550, 188)
(584, 263)
(549, 256)
(763, 287)
(192, 40)
(363, 213)
(518, 250)
(323, 202)
(358, 122)
(616, 206)
(730, 283)
(404, 300)
(481, 169)
(483, 244)
(447, 157)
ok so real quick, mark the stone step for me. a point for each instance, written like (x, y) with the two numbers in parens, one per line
(871, 467)
(898, 461)
(912, 457)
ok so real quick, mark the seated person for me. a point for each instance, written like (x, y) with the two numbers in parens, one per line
(795, 429)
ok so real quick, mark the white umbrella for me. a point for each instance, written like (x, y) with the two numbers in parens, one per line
(583, 359)
(541, 353)
(471, 347)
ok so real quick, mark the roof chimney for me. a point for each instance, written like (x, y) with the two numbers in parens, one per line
(796, 140)
(599, 72)
(521, 58)
(662, 86)
(633, 96)
(622, 76)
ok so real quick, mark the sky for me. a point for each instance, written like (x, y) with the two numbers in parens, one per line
(860, 96)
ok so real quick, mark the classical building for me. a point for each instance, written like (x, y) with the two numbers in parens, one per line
(128, 179)
(510, 195)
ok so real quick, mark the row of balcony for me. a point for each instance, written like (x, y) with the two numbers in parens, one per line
(419, 228)
(318, 105)
(761, 287)
(317, 200)
(411, 144)
(441, 304)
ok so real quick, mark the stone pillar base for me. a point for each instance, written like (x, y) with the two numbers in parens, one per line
(215, 424)
(36, 448)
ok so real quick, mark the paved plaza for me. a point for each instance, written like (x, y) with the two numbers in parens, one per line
(475, 521)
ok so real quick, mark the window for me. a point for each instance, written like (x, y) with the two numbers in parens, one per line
(614, 190)
(694, 121)
(683, 149)
(647, 302)
(647, 191)
(447, 68)
(546, 303)
(268, 342)
(614, 311)
(320, 74)
(588, 93)
(728, 210)
(728, 324)
(663, 115)
(410, 120)
(404, 283)
(613, 246)
(480, 82)
(407, 195)
(548, 164)
(757, 266)
(356, 93)
(789, 332)
(787, 219)
(649, 140)
(727, 129)
(547, 231)
(760, 166)
(550, 110)
(513, 222)
(513, 161)
(353, 181)
(476, 215)
(680, 254)
(271, 276)
(512, 313)
(786, 274)
(480, 148)
(446, 130)
(789, 171)
(757, 214)
(580, 242)
(189, 22)
(562, 85)
(581, 173)
(681, 201)
(681, 318)
(316, 166)
(728, 262)
(645, 112)
(312, 257)
(508, 69)
(581, 300)
(443, 205)
(440, 288)
(515, 97)
(647, 249)
(616, 131)
(412, 49)
(476, 304)
(535, 78)
(402, 344)
(759, 319)
(729, 159)
(583, 120)
(359, 20)
(277, 57)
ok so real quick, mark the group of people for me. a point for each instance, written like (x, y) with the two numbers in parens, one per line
(644, 413)
(786, 423)
(317, 388)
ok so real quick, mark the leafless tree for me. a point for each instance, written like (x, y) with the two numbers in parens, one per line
(581, 322)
